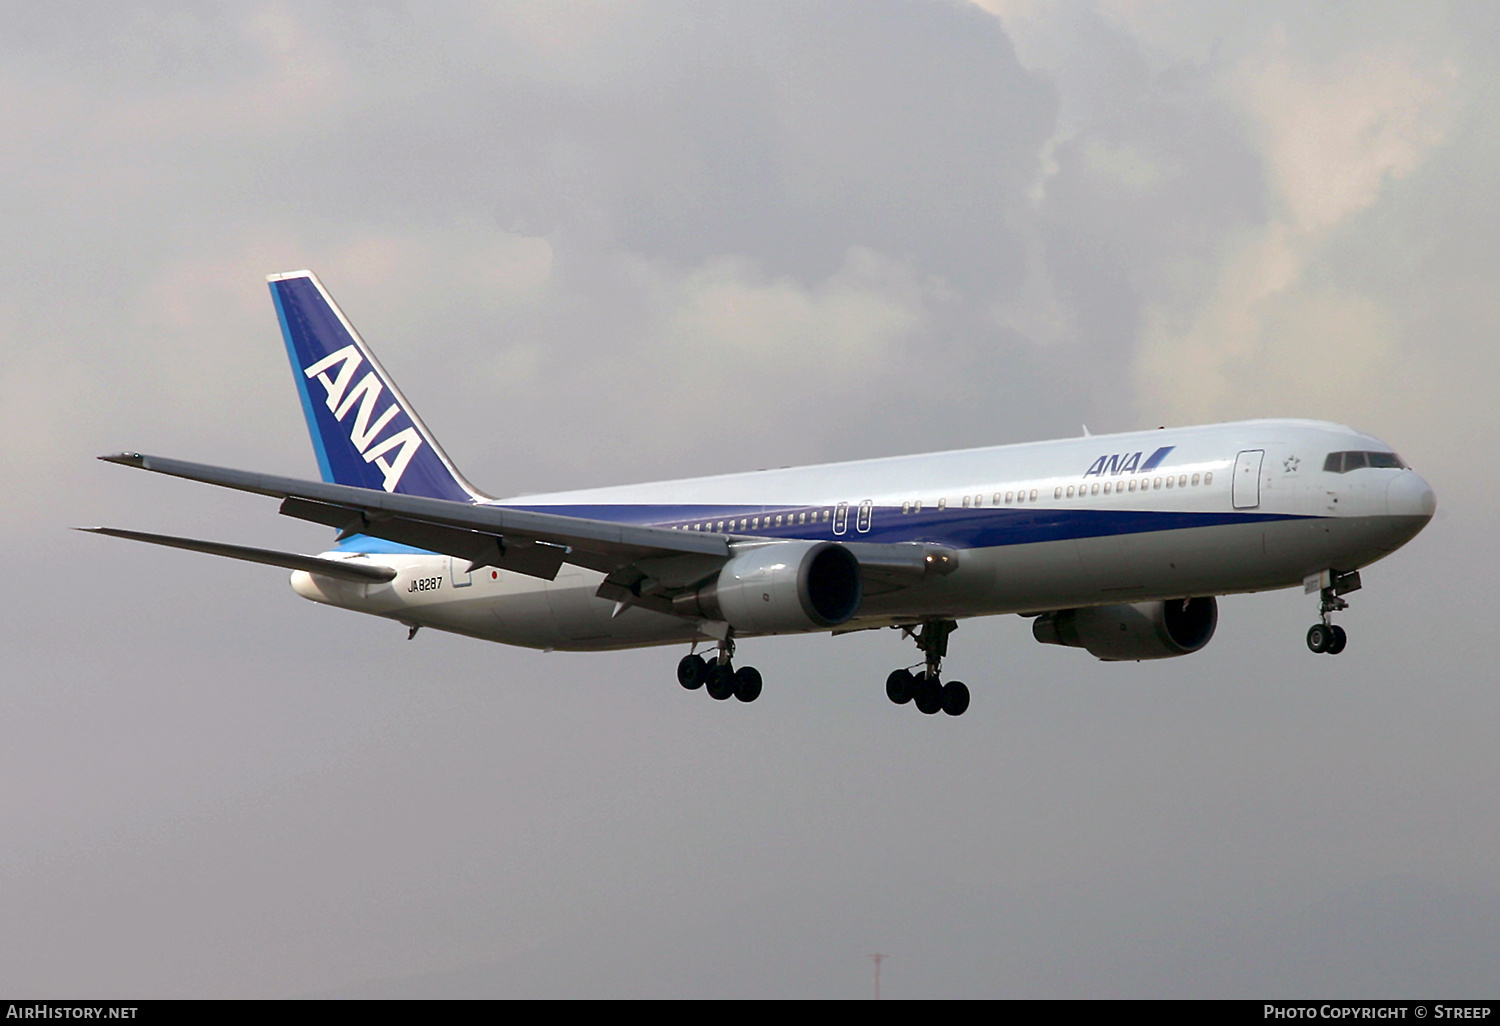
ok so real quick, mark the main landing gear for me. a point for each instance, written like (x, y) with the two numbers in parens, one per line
(718, 676)
(1327, 636)
(925, 688)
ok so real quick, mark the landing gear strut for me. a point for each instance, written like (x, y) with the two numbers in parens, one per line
(925, 688)
(1327, 636)
(718, 676)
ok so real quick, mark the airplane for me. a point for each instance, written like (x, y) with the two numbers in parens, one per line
(1117, 544)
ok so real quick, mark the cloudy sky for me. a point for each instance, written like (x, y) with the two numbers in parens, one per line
(618, 241)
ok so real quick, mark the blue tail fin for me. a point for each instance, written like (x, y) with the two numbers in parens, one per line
(364, 431)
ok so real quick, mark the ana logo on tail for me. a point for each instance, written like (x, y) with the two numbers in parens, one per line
(362, 433)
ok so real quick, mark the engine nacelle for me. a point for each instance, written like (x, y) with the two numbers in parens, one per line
(1142, 630)
(781, 587)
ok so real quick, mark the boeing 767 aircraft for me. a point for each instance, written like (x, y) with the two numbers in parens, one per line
(1117, 544)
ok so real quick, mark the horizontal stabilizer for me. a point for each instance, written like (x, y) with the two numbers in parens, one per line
(344, 570)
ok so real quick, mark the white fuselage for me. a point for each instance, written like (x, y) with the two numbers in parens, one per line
(1038, 526)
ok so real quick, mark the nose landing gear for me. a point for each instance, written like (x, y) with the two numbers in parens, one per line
(1328, 637)
(925, 688)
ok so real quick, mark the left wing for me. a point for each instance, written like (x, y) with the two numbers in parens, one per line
(643, 565)
(536, 544)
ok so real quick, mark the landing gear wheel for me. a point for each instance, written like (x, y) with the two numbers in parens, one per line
(1319, 637)
(900, 686)
(692, 671)
(929, 695)
(1338, 641)
(746, 684)
(955, 698)
(926, 689)
(720, 682)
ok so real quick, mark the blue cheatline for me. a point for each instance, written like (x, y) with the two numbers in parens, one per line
(964, 528)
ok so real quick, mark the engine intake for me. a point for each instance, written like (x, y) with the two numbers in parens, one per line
(781, 587)
(1142, 630)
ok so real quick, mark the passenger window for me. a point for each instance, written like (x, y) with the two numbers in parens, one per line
(906, 507)
(1070, 491)
(966, 502)
(1033, 495)
(942, 504)
(1057, 492)
(997, 498)
(1208, 478)
(916, 507)
(1107, 486)
(1095, 489)
(1010, 497)
(1195, 480)
(1156, 483)
(1182, 481)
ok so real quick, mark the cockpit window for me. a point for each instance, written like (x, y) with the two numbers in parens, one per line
(1343, 462)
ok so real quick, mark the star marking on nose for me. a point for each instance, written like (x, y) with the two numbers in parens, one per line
(1290, 464)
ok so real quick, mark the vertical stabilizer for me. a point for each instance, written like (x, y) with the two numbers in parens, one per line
(363, 430)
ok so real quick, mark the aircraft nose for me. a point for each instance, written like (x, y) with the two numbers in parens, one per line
(1408, 495)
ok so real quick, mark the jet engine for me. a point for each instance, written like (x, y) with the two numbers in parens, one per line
(1142, 630)
(780, 587)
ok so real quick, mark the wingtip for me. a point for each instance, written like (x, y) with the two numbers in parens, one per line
(127, 459)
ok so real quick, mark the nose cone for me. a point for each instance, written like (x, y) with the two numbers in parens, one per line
(1410, 496)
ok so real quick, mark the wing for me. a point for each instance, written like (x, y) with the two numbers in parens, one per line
(531, 543)
(643, 565)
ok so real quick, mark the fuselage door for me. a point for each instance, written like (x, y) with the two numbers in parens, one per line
(866, 508)
(1247, 478)
(459, 574)
(841, 518)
